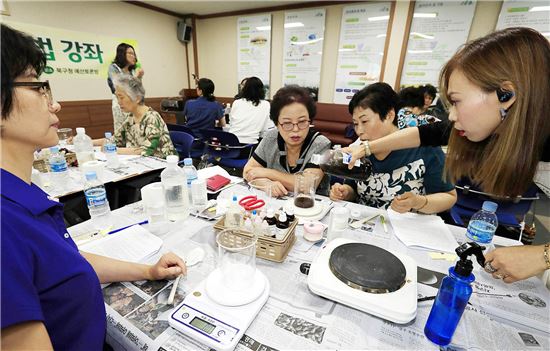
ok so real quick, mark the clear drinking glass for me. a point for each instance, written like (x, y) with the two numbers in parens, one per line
(64, 134)
(236, 259)
(305, 184)
(261, 188)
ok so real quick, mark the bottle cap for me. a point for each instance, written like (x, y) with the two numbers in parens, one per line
(489, 206)
(54, 149)
(282, 217)
(270, 212)
(108, 135)
(290, 211)
(188, 161)
(172, 159)
(234, 198)
(80, 130)
(91, 175)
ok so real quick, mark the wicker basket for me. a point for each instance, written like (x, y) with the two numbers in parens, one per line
(43, 165)
(269, 248)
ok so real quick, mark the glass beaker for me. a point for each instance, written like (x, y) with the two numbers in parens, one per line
(64, 134)
(261, 188)
(236, 259)
(305, 184)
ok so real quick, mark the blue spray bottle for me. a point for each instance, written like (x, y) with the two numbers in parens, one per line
(453, 295)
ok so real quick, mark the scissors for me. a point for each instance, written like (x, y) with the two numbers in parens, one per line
(251, 202)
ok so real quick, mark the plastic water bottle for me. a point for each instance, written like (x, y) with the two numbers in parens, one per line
(227, 112)
(174, 184)
(110, 151)
(483, 224)
(83, 147)
(191, 174)
(58, 168)
(96, 199)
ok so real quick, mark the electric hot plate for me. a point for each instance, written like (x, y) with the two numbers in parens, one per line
(367, 268)
(367, 278)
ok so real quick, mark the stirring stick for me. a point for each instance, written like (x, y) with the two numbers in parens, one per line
(173, 291)
(383, 220)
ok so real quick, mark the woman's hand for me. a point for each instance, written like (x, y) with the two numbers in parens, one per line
(169, 266)
(405, 202)
(340, 192)
(357, 152)
(140, 72)
(278, 189)
(516, 262)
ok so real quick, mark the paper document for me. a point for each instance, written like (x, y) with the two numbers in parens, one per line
(132, 244)
(422, 231)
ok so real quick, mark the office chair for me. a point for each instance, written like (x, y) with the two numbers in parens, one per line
(182, 142)
(224, 149)
(510, 212)
(197, 146)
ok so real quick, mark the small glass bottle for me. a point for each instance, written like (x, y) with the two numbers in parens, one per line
(270, 217)
(335, 162)
(282, 226)
(290, 215)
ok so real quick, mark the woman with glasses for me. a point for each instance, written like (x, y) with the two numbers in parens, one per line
(406, 180)
(288, 149)
(50, 291)
(125, 62)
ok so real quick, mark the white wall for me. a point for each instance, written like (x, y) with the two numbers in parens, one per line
(217, 46)
(161, 54)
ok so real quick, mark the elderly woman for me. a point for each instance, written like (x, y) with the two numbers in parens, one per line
(288, 149)
(143, 132)
(51, 292)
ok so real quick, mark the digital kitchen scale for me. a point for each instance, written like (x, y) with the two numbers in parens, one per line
(367, 278)
(202, 317)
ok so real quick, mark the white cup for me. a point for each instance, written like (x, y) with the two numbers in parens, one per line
(94, 166)
(198, 193)
(153, 201)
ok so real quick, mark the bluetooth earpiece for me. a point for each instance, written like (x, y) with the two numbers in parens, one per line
(504, 95)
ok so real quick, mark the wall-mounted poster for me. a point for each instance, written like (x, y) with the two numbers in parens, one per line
(303, 48)
(254, 48)
(361, 49)
(72, 54)
(438, 29)
(532, 14)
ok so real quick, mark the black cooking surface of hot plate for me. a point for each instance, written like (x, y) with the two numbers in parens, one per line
(367, 268)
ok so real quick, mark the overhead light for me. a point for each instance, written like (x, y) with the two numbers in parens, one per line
(419, 51)
(293, 24)
(539, 8)
(263, 28)
(305, 42)
(425, 36)
(424, 15)
(381, 36)
(379, 18)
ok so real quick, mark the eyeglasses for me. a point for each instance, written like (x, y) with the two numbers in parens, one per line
(288, 126)
(44, 88)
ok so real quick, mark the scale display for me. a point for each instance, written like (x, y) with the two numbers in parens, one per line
(203, 325)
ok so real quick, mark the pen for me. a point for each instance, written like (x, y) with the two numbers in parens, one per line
(383, 220)
(128, 226)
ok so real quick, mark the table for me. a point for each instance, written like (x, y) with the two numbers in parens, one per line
(295, 318)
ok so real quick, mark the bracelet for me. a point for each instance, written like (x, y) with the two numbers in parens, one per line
(425, 203)
(367, 148)
(547, 256)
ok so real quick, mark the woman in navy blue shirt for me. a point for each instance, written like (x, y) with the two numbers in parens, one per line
(203, 112)
(51, 293)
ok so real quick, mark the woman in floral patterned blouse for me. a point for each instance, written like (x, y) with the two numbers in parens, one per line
(143, 132)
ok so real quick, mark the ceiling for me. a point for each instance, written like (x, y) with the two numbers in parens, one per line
(210, 7)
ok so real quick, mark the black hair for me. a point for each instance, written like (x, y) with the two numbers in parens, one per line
(19, 53)
(411, 97)
(379, 97)
(289, 95)
(253, 90)
(429, 90)
(207, 87)
(120, 58)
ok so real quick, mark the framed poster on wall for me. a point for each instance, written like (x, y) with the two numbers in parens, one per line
(532, 14)
(437, 30)
(303, 49)
(364, 35)
(254, 48)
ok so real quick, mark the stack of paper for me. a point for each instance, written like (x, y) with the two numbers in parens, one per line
(422, 231)
(134, 244)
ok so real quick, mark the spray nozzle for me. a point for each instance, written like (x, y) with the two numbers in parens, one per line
(464, 266)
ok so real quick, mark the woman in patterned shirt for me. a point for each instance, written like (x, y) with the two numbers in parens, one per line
(143, 132)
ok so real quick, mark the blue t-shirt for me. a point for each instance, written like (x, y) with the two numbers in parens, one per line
(44, 277)
(202, 114)
(418, 170)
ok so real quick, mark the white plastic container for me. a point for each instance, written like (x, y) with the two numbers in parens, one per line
(174, 184)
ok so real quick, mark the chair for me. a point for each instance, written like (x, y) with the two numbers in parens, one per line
(182, 142)
(225, 149)
(197, 147)
(510, 212)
